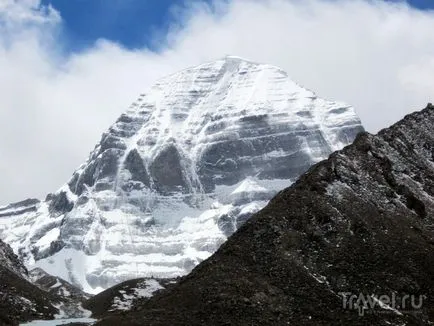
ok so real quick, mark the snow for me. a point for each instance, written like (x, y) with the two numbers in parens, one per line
(64, 292)
(249, 186)
(56, 322)
(319, 278)
(68, 311)
(26, 301)
(150, 286)
(56, 285)
(385, 306)
(70, 265)
(145, 290)
(128, 229)
(44, 242)
(252, 208)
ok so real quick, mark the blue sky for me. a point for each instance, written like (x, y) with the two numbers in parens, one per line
(61, 89)
(132, 23)
(422, 4)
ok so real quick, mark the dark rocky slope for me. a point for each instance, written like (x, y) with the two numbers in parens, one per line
(34, 295)
(20, 300)
(71, 297)
(57, 286)
(361, 222)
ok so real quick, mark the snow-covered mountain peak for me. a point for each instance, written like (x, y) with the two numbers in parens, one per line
(187, 163)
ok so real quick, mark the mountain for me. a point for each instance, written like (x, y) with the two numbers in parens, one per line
(57, 286)
(357, 228)
(20, 300)
(187, 164)
(34, 295)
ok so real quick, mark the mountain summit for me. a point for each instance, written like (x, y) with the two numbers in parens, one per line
(187, 164)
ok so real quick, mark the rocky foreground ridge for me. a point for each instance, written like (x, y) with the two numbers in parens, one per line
(360, 223)
(34, 295)
(20, 300)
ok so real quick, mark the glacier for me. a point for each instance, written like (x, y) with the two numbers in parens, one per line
(185, 166)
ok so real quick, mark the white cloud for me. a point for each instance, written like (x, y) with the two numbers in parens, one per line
(14, 12)
(376, 56)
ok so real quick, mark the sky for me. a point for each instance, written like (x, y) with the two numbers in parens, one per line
(69, 68)
(132, 23)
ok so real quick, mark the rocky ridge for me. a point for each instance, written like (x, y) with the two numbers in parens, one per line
(20, 300)
(34, 295)
(359, 224)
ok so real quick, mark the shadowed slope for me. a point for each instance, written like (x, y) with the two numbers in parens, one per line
(21, 300)
(360, 222)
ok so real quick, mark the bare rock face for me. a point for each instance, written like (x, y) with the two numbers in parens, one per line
(351, 242)
(167, 172)
(187, 164)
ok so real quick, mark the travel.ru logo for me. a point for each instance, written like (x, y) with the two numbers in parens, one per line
(363, 303)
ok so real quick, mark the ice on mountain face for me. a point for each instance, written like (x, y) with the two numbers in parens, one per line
(178, 172)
